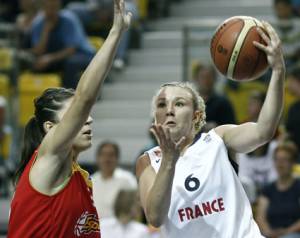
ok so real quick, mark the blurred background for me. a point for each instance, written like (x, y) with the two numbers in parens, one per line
(48, 43)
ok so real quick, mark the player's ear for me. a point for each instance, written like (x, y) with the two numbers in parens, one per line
(47, 125)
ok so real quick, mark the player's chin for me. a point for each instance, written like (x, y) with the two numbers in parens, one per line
(84, 144)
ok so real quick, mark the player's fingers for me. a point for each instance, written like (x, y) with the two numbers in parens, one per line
(263, 35)
(181, 142)
(271, 31)
(167, 133)
(161, 134)
(153, 131)
(261, 47)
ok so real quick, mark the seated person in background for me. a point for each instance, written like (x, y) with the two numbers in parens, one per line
(257, 167)
(293, 119)
(278, 211)
(218, 108)
(5, 148)
(124, 225)
(5, 131)
(8, 10)
(288, 28)
(29, 10)
(59, 43)
(99, 13)
(110, 179)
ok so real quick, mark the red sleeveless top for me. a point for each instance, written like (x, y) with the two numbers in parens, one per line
(68, 214)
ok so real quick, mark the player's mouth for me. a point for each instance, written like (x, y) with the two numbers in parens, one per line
(170, 123)
(88, 133)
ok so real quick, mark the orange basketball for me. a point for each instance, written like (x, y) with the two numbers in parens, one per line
(233, 52)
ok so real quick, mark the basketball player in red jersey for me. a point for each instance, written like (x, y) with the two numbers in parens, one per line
(187, 183)
(53, 196)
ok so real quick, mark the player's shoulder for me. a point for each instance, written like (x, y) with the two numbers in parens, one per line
(142, 163)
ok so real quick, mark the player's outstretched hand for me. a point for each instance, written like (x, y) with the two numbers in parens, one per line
(121, 18)
(272, 48)
(169, 148)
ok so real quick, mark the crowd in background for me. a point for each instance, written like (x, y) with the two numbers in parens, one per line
(55, 37)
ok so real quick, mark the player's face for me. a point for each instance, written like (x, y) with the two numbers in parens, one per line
(83, 140)
(174, 109)
(283, 163)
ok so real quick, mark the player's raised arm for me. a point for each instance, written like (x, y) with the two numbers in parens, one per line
(248, 136)
(59, 140)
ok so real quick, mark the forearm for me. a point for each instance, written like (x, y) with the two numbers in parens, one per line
(158, 200)
(294, 228)
(264, 226)
(97, 70)
(41, 47)
(62, 54)
(271, 111)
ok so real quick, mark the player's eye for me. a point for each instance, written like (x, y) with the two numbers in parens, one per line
(179, 104)
(161, 104)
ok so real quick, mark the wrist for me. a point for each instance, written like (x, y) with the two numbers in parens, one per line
(168, 163)
(116, 30)
(279, 70)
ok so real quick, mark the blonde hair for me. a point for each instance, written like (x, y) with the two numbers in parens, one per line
(198, 101)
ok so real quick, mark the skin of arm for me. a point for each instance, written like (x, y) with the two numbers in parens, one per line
(40, 48)
(294, 228)
(261, 218)
(44, 60)
(248, 136)
(155, 189)
(55, 151)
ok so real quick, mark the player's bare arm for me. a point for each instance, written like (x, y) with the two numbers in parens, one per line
(55, 150)
(246, 137)
(155, 189)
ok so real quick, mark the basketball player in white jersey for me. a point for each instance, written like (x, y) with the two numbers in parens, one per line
(187, 184)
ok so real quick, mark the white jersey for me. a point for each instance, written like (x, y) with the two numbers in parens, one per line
(207, 199)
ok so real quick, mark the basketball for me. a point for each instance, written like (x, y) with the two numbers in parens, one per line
(233, 52)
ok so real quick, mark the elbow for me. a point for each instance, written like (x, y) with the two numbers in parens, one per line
(266, 134)
(154, 218)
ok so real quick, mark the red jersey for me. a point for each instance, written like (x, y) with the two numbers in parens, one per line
(68, 214)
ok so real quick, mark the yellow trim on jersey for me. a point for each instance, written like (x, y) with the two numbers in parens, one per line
(84, 174)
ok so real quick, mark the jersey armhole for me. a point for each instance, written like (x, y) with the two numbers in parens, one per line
(56, 189)
(142, 163)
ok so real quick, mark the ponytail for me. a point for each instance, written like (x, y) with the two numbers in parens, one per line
(33, 136)
(46, 107)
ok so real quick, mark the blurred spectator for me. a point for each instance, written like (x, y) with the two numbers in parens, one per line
(288, 28)
(5, 131)
(278, 211)
(29, 10)
(159, 8)
(218, 108)
(123, 224)
(5, 146)
(257, 167)
(293, 117)
(110, 179)
(296, 7)
(59, 43)
(8, 10)
(101, 13)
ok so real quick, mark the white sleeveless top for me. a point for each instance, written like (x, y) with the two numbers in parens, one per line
(208, 200)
